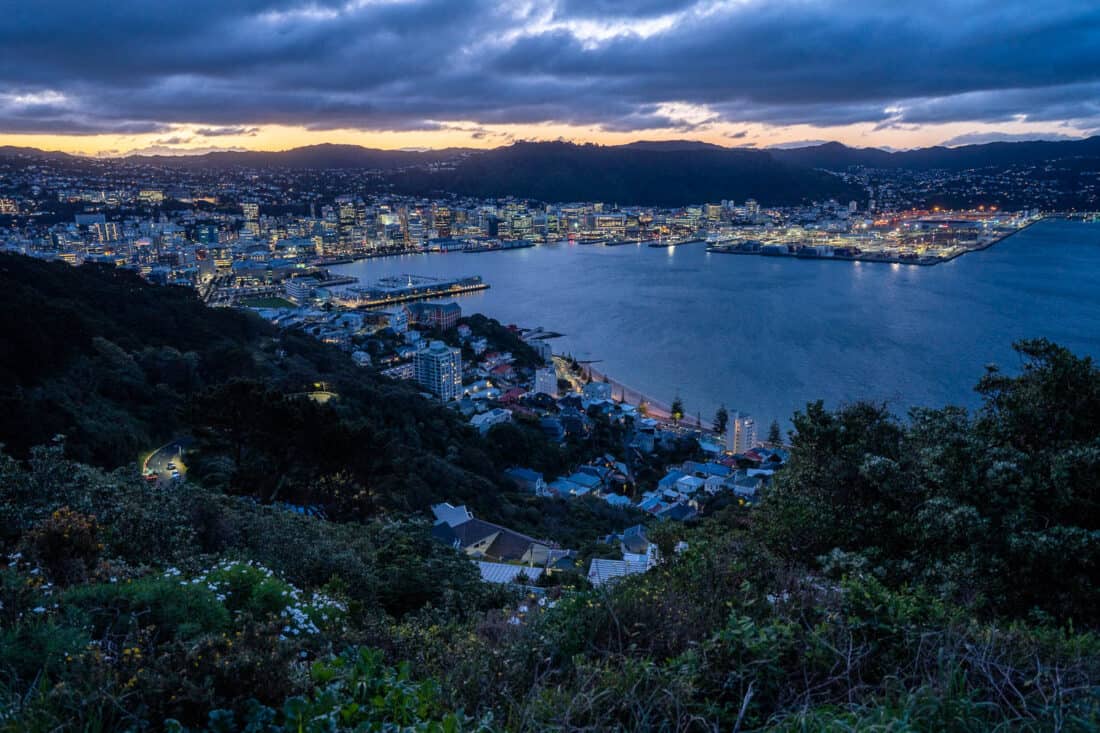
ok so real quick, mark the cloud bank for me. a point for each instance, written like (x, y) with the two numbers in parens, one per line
(231, 66)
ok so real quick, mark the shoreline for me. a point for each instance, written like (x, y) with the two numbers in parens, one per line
(884, 260)
(624, 393)
(679, 243)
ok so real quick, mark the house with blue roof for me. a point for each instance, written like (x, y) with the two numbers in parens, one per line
(528, 480)
(670, 479)
(588, 481)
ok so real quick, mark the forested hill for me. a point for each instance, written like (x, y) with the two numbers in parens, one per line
(836, 156)
(119, 367)
(311, 157)
(640, 174)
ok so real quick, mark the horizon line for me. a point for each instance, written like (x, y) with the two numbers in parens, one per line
(184, 153)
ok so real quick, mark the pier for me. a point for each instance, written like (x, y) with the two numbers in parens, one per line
(407, 288)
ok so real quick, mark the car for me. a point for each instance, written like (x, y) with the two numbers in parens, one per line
(171, 467)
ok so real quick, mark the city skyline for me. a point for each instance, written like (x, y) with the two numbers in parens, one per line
(277, 74)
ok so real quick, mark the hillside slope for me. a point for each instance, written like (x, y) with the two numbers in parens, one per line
(119, 366)
(837, 156)
(645, 175)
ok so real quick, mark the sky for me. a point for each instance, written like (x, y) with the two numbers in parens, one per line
(116, 77)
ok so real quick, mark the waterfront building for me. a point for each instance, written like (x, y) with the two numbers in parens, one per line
(542, 346)
(597, 392)
(439, 370)
(443, 316)
(300, 289)
(546, 381)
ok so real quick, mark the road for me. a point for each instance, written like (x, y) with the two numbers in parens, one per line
(621, 393)
(169, 454)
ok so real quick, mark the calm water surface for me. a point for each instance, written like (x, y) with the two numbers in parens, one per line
(767, 335)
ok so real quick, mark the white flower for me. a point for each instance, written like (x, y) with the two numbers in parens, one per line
(38, 609)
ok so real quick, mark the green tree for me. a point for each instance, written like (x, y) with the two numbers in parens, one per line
(997, 511)
(721, 420)
(775, 436)
(676, 411)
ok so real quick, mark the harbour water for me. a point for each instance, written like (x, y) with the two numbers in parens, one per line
(766, 335)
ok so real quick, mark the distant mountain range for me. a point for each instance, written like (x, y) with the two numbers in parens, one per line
(659, 173)
(324, 156)
(835, 156)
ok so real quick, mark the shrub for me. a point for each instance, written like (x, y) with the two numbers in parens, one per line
(66, 545)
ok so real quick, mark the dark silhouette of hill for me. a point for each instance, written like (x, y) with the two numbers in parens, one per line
(837, 156)
(323, 156)
(646, 174)
(16, 151)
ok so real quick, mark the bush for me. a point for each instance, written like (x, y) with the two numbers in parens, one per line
(66, 545)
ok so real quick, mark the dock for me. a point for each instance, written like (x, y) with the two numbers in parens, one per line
(676, 243)
(407, 288)
(845, 254)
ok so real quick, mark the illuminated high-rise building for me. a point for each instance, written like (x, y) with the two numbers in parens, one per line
(439, 370)
(347, 214)
(742, 432)
(251, 212)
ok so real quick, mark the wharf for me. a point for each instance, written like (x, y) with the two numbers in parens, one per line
(881, 257)
(676, 243)
(503, 247)
(334, 280)
(388, 292)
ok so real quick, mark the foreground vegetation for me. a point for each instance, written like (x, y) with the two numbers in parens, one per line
(937, 573)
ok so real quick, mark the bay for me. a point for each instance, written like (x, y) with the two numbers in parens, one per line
(767, 335)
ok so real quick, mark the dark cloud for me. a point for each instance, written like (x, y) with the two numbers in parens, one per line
(619, 8)
(131, 66)
(226, 131)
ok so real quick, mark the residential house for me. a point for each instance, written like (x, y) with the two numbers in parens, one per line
(703, 470)
(669, 480)
(606, 571)
(585, 483)
(486, 420)
(689, 485)
(617, 500)
(484, 540)
(495, 572)
(597, 392)
(451, 515)
(527, 480)
(679, 512)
